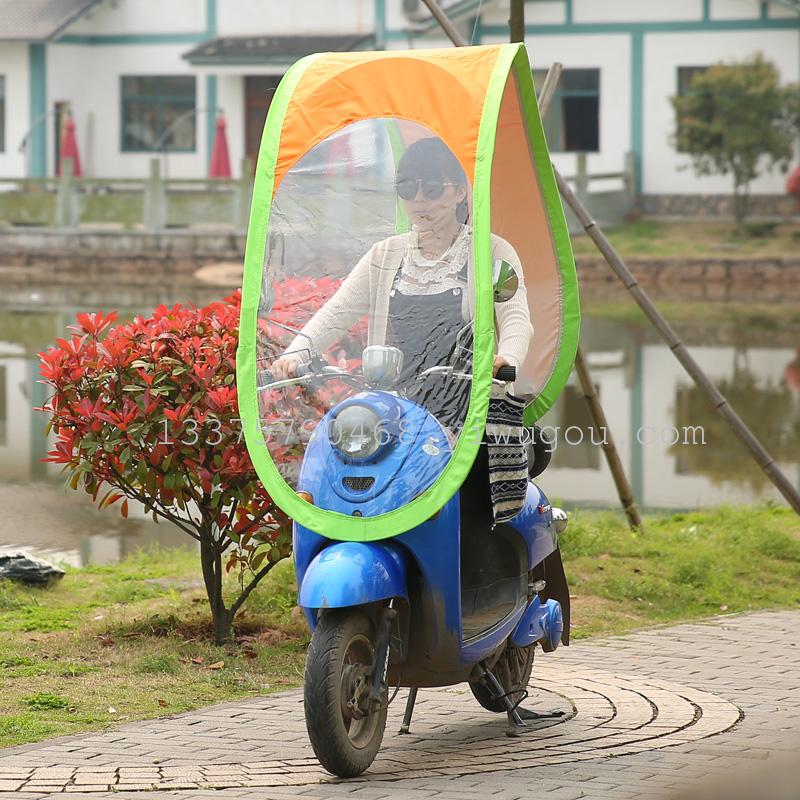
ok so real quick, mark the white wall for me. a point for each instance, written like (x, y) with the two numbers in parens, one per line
(735, 9)
(663, 54)
(636, 10)
(89, 78)
(274, 18)
(142, 17)
(610, 53)
(230, 97)
(14, 67)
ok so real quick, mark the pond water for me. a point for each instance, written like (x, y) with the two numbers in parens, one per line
(677, 453)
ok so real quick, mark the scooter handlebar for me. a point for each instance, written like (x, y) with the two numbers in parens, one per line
(506, 373)
(266, 377)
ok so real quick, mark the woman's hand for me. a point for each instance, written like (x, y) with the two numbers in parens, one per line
(499, 361)
(285, 367)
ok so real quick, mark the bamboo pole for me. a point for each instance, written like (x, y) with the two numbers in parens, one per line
(718, 401)
(624, 489)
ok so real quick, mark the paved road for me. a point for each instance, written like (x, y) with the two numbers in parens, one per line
(649, 715)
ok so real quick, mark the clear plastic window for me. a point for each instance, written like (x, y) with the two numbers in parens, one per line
(369, 246)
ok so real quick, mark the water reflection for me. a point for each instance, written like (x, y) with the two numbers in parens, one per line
(677, 452)
(645, 393)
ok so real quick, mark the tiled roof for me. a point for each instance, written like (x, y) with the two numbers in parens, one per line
(38, 20)
(272, 49)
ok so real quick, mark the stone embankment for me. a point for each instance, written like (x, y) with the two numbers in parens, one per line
(38, 257)
(733, 279)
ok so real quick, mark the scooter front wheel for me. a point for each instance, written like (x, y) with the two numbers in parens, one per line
(345, 732)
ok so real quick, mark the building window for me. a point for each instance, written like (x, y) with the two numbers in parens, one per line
(572, 125)
(156, 113)
(2, 114)
(685, 77)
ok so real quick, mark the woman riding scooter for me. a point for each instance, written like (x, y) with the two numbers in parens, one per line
(365, 221)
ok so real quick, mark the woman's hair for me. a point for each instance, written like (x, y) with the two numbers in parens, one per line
(431, 159)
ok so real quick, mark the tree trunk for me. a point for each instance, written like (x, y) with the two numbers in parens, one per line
(740, 203)
(211, 560)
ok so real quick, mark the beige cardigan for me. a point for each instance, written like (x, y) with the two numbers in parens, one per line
(366, 291)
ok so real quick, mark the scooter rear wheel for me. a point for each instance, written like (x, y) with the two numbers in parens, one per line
(513, 670)
(345, 737)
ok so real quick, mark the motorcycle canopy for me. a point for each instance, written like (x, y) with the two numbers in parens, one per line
(389, 189)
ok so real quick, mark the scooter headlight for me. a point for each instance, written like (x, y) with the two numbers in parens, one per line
(356, 432)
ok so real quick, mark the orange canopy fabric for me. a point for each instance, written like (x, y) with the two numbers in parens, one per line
(343, 88)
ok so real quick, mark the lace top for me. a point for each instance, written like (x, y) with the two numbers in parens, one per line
(419, 275)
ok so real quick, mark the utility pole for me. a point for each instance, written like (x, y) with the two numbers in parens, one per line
(516, 20)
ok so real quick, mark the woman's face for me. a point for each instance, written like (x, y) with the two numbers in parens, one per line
(434, 214)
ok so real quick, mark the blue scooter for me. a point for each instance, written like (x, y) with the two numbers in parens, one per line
(455, 599)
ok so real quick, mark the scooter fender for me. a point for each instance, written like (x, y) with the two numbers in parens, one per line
(352, 574)
(541, 622)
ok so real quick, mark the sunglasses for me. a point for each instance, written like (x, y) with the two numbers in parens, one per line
(407, 188)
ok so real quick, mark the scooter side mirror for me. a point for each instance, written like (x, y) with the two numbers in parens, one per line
(505, 281)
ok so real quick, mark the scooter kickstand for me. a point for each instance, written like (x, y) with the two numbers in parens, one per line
(528, 714)
(412, 699)
(516, 725)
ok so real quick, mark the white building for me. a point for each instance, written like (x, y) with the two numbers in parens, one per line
(128, 69)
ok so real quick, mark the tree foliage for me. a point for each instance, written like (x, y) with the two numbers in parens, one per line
(736, 119)
(147, 410)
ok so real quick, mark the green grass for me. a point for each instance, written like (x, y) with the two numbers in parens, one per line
(107, 644)
(688, 239)
(683, 567)
(752, 316)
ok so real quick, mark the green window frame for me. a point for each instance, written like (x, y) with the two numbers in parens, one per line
(2, 113)
(572, 125)
(155, 108)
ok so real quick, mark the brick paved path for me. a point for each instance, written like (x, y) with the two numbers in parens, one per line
(645, 715)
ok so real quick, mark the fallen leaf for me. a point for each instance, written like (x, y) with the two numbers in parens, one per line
(100, 616)
(250, 654)
(217, 665)
(106, 641)
(198, 660)
(723, 607)
(112, 710)
(604, 556)
(162, 702)
(130, 635)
